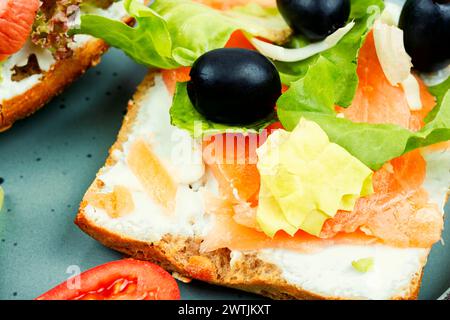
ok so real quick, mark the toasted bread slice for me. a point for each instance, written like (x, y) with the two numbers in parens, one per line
(146, 231)
(51, 82)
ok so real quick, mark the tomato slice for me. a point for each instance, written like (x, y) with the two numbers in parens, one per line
(127, 279)
(239, 40)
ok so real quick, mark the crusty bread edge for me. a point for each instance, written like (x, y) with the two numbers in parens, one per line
(53, 82)
(181, 255)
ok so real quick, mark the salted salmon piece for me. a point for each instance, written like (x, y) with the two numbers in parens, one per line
(227, 233)
(228, 4)
(390, 183)
(16, 21)
(399, 212)
(245, 215)
(117, 203)
(401, 174)
(152, 174)
(232, 159)
(377, 101)
(412, 222)
(402, 220)
(171, 77)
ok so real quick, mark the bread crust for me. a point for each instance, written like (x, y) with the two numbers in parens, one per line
(182, 255)
(53, 82)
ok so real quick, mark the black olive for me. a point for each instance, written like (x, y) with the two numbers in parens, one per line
(426, 28)
(234, 86)
(316, 19)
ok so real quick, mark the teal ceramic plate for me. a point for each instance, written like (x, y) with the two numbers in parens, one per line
(47, 162)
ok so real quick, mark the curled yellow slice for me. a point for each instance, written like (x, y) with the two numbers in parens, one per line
(306, 179)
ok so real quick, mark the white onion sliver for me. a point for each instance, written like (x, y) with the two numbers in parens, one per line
(394, 60)
(292, 55)
(412, 92)
(391, 13)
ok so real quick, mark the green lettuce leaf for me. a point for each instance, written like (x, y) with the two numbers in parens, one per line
(313, 97)
(194, 28)
(439, 92)
(330, 79)
(149, 43)
(173, 33)
(343, 55)
(185, 116)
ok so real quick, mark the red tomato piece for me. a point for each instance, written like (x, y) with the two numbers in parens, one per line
(127, 279)
(239, 40)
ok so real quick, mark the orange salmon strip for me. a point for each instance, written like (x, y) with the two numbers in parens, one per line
(16, 20)
(377, 101)
(228, 4)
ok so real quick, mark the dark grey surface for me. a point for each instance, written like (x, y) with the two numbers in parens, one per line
(47, 162)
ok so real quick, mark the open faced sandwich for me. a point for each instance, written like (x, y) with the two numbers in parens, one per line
(296, 149)
(38, 56)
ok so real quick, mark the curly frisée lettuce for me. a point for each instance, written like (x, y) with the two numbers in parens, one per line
(184, 116)
(173, 33)
(52, 22)
(313, 97)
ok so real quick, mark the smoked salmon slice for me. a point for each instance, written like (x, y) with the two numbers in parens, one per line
(16, 20)
(232, 159)
(171, 77)
(227, 233)
(228, 4)
(399, 212)
(377, 101)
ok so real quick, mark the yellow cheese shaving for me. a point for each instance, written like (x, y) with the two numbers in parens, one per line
(306, 179)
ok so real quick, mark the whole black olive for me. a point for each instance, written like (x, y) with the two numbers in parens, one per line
(316, 19)
(234, 86)
(426, 28)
